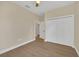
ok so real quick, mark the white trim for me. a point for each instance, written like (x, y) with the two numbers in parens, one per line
(76, 50)
(60, 43)
(54, 18)
(60, 17)
(13, 47)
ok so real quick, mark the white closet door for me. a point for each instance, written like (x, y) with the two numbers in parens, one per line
(51, 31)
(60, 30)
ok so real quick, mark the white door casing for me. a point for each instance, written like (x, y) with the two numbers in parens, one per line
(60, 30)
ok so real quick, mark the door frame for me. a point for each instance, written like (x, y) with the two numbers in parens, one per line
(57, 18)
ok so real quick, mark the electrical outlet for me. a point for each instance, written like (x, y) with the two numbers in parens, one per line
(2, 48)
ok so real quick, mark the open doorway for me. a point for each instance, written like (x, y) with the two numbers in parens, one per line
(40, 31)
(37, 30)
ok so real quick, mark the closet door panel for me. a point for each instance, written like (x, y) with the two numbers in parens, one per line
(60, 30)
(51, 31)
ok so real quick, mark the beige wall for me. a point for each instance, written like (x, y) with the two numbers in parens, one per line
(16, 25)
(76, 41)
(68, 10)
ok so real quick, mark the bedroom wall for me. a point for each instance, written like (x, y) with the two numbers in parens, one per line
(76, 41)
(16, 25)
(62, 11)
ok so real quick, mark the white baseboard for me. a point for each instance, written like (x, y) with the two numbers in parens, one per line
(77, 50)
(13, 47)
(60, 43)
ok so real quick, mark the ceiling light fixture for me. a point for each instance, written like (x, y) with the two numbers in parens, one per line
(37, 3)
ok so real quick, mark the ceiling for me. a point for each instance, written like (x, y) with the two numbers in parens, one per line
(44, 5)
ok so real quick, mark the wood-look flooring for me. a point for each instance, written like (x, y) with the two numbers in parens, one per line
(39, 48)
